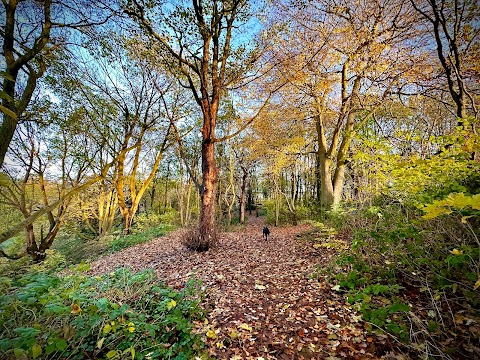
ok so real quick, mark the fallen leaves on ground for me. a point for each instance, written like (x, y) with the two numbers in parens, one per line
(261, 299)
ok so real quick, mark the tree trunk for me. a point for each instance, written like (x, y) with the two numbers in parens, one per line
(207, 194)
(243, 196)
(219, 191)
(326, 185)
(277, 200)
(250, 199)
(17, 103)
(166, 190)
(152, 196)
(127, 223)
(187, 206)
(7, 130)
(318, 178)
(181, 199)
(47, 241)
(339, 177)
(291, 199)
(338, 186)
(107, 207)
(230, 188)
(32, 248)
(324, 164)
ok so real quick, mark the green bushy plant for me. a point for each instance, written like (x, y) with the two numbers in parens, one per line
(146, 221)
(337, 217)
(269, 206)
(395, 255)
(262, 212)
(116, 316)
(285, 215)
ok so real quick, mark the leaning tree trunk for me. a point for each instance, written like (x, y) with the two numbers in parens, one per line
(339, 177)
(324, 166)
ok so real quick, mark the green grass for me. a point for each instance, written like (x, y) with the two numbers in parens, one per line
(136, 238)
(69, 249)
(76, 249)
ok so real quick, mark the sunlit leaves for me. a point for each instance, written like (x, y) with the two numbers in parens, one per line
(456, 252)
(246, 327)
(453, 202)
(211, 334)
(477, 284)
(107, 328)
(76, 309)
(171, 304)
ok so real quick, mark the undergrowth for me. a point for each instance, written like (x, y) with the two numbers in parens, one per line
(122, 315)
(414, 278)
(69, 250)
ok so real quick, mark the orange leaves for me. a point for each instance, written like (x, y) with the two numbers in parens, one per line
(261, 302)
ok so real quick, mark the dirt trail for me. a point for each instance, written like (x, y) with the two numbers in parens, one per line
(261, 298)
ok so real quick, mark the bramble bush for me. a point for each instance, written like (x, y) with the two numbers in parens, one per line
(412, 267)
(399, 259)
(122, 315)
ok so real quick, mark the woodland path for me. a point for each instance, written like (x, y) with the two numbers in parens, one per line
(261, 299)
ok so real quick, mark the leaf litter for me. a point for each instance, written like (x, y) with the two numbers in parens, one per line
(261, 299)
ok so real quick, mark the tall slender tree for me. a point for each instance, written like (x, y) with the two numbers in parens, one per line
(198, 39)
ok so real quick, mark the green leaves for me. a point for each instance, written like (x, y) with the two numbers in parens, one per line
(8, 98)
(398, 307)
(27, 332)
(74, 315)
(60, 344)
(4, 179)
(453, 202)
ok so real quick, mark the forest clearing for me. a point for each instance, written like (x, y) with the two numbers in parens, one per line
(239, 179)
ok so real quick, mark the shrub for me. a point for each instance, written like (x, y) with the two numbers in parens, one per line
(285, 215)
(262, 212)
(269, 206)
(396, 262)
(145, 221)
(116, 316)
